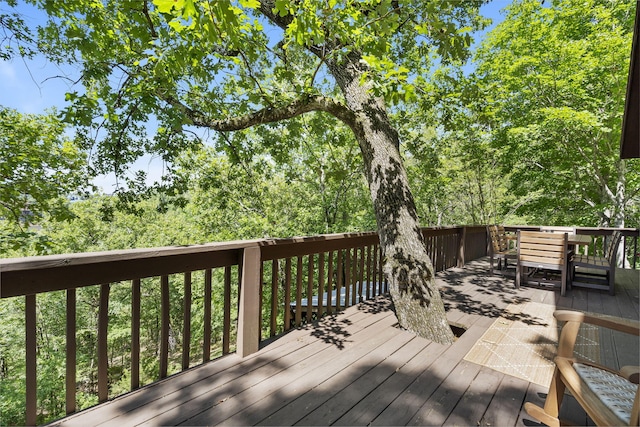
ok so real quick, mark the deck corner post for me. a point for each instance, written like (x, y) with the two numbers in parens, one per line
(461, 242)
(249, 310)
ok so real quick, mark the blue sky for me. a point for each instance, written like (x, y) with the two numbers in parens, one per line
(35, 87)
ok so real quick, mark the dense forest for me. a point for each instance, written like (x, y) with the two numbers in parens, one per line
(525, 130)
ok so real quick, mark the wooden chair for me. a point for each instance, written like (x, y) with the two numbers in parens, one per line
(499, 248)
(591, 266)
(542, 250)
(609, 397)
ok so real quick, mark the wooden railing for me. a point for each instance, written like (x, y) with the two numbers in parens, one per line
(257, 289)
(306, 278)
(262, 282)
(156, 268)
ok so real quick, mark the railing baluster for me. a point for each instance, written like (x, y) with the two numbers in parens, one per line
(299, 291)
(164, 326)
(376, 285)
(261, 292)
(361, 274)
(103, 328)
(274, 297)
(226, 338)
(206, 339)
(287, 294)
(320, 284)
(186, 321)
(70, 383)
(354, 276)
(383, 279)
(330, 283)
(339, 281)
(135, 334)
(462, 246)
(31, 351)
(347, 277)
(368, 291)
(309, 287)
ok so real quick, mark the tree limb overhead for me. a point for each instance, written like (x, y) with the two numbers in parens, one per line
(300, 106)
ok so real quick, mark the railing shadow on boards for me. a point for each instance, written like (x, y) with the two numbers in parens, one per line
(183, 306)
(303, 279)
(628, 252)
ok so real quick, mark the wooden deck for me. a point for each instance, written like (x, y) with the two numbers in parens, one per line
(359, 368)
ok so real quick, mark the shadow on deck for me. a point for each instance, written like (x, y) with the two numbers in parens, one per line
(359, 368)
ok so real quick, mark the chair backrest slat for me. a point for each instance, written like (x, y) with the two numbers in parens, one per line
(612, 248)
(542, 248)
(498, 237)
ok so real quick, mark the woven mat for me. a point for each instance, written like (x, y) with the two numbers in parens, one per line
(523, 342)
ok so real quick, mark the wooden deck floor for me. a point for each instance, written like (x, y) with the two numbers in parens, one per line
(359, 368)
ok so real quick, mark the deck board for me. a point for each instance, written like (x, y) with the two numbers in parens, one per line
(471, 408)
(506, 402)
(365, 411)
(358, 368)
(437, 408)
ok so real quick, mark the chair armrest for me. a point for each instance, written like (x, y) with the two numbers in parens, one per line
(574, 319)
(611, 322)
(632, 373)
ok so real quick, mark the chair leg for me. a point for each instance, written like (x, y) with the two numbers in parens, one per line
(556, 394)
(549, 414)
(539, 414)
(612, 280)
(518, 273)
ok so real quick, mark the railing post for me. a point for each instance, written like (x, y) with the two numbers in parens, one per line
(249, 312)
(463, 238)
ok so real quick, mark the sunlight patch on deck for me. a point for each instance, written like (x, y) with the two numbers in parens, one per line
(523, 342)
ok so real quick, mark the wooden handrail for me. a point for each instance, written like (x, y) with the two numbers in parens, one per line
(33, 275)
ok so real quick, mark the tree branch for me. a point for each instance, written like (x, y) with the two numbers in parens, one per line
(300, 106)
(145, 12)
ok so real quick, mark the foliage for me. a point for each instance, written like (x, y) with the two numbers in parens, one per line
(172, 64)
(312, 189)
(554, 79)
(452, 165)
(15, 35)
(40, 167)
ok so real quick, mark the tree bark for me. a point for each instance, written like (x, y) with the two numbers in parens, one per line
(406, 264)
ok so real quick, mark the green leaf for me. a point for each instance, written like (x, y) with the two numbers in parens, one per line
(251, 4)
(166, 6)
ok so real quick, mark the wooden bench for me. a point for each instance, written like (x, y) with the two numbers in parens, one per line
(591, 267)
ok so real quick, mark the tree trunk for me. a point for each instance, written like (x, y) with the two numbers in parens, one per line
(406, 264)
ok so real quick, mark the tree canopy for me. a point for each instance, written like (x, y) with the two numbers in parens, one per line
(553, 78)
(41, 167)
